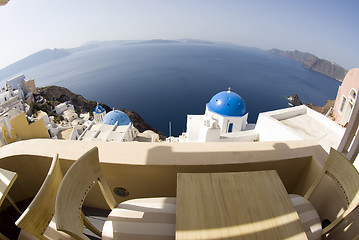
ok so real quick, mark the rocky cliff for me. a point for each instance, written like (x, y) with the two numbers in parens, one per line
(294, 100)
(55, 95)
(314, 63)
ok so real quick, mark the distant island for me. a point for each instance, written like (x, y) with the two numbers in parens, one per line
(314, 63)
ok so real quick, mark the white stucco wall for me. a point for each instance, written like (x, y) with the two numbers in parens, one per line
(239, 123)
(270, 128)
(16, 80)
(299, 123)
(63, 107)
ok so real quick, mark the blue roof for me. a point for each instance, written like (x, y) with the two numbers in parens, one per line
(228, 104)
(116, 116)
(98, 109)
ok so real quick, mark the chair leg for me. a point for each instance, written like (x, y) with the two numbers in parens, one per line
(13, 204)
(90, 226)
(2, 237)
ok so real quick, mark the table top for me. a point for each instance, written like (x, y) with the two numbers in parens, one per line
(7, 179)
(241, 205)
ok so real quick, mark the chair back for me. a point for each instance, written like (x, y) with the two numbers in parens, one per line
(346, 177)
(7, 179)
(76, 184)
(39, 213)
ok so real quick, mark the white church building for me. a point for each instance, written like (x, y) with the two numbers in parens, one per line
(225, 120)
(99, 113)
(112, 126)
(225, 117)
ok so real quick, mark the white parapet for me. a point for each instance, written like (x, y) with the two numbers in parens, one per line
(299, 123)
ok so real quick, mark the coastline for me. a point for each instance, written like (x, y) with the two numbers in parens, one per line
(294, 100)
(55, 95)
(314, 63)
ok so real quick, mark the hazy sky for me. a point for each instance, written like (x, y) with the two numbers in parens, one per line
(326, 28)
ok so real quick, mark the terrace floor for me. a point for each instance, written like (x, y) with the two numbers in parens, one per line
(309, 127)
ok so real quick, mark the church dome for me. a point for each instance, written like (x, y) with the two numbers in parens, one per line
(228, 104)
(116, 116)
(98, 109)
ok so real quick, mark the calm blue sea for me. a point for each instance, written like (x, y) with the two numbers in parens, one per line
(164, 82)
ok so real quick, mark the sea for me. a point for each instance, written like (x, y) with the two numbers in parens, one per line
(164, 81)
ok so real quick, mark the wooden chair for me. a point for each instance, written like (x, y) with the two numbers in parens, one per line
(135, 219)
(7, 179)
(37, 219)
(345, 176)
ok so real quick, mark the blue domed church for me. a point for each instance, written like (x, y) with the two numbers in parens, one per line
(112, 126)
(98, 113)
(229, 109)
(225, 116)
(116, 117)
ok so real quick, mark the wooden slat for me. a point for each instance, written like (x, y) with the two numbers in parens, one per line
(7, 179)
(345, 175)
(39, 213)
(2, 237)
(77, 182)
(246, 205)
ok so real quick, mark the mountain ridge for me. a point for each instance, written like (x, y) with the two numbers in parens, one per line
(47, 55)
(33, 60)
(307, 60)
(314, 63)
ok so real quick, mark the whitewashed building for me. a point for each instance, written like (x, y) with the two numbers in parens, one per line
(98, 113)
(70, 115)
(115, 126)
(225, 117)
(18, 94)
(225, 120)
(16, 81)
(62, 107)
(12, 99)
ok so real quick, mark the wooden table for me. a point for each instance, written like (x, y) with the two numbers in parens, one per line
(244, 205)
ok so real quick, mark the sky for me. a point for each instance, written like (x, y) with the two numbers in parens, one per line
(326, 28)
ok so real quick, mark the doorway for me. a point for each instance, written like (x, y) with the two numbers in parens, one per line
(230, 127)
